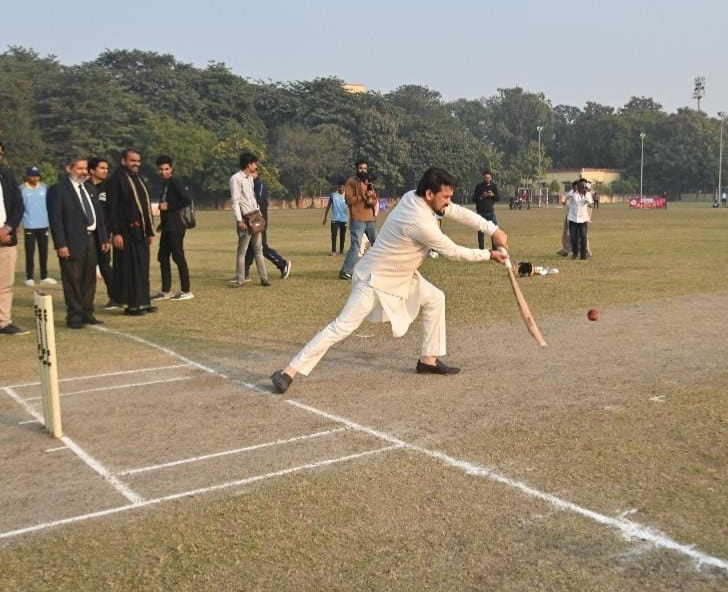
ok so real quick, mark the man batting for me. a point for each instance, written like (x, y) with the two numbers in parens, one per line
(386, 285)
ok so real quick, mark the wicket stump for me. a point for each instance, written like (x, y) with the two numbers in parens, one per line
(46, 338)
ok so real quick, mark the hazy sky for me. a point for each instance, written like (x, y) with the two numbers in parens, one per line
(571, 51)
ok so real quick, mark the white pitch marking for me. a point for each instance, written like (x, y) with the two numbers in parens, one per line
(229, 452)
(658, 399)
(95, 465)
(160, 348)
(630, 530)
(106, 375)
(59, 448)
(116, 386)
(149, 502)
(30, 421)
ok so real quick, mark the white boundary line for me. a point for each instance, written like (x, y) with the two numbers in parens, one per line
(229, 452)
(114, 387)
(629, 529)
(149, 502)
(106, 375)
(95, 465)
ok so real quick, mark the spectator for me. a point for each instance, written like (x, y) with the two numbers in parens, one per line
(98, 170)
(339, 217)
(173, 198)
(11, 214)
(485, 195)
(77, 226)
(35, 226)
(363, 206)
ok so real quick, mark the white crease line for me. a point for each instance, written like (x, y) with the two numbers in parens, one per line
(108, 374)
(116, 386)
(166, 350)
(122, 488)
(28, 421)
(229, 452)
(149, 502)
(56, 449)
(628, 528)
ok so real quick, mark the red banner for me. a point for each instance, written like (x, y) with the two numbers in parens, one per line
(647, 203)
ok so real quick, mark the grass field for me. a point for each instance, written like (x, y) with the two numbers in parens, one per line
(597, 463)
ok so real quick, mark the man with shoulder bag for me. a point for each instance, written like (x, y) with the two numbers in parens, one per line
(250, 222)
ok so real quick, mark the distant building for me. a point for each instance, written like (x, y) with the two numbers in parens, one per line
(354, 87)
(565, 177)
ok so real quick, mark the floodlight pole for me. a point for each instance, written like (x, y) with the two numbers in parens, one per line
(538, 129)
(722, 116)
(642, 159)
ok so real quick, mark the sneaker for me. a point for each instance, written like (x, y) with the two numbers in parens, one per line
(30, 282)
(285, 272)
(111, 305)
(562, 253)
(48, 280)
(183, 296)
(13, 330)
(246, 278)
(344, 276)
(264, 283)
(434, 254)
(161, 296)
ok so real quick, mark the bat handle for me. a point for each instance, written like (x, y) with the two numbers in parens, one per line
(507, 262)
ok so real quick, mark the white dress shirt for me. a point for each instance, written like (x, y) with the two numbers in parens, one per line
(579, 207)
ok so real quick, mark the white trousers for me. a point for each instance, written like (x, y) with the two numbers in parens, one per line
(361, 303)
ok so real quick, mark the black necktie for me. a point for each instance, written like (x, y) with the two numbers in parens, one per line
(86, 203)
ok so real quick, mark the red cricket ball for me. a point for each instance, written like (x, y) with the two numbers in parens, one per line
(593, 314)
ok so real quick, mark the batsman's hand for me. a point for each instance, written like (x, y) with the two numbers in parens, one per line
(498, 255)
(500, 239)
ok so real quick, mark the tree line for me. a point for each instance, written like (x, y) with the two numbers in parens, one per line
(309, 133)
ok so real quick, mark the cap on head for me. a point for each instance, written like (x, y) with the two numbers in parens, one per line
(33, 171)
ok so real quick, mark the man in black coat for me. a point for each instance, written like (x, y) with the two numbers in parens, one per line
(11, 214)
(173, 198)
(485, 195)
(76, 224)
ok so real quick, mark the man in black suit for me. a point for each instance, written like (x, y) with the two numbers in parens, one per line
(76, 223)
(11, 214)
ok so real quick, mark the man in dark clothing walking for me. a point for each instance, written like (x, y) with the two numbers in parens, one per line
(284, 266)
(485, 195)
(173, 198)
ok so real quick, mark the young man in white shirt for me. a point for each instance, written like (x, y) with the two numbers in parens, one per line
(243, 202)
(386, 285)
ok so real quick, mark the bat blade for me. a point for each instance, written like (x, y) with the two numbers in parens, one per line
(523, 306)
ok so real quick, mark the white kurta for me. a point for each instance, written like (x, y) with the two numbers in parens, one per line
(387, 285)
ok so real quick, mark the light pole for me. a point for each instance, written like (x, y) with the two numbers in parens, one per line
(722, 116)
(538, 129)
(642, 158)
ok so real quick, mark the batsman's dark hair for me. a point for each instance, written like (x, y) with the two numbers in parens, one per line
(164, 159)
(361, 161)
(433, 179)
(247, 158)
(95, 161)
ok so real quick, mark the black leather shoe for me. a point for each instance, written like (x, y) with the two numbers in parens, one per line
(152, 309)
(92, 321)
(437, 368)
(75, 325)
(137, 312)
(281, 381)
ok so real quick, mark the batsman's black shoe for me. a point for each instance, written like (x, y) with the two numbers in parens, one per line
(92, 321)
(13, 330)
(437, 368)
(281, 381)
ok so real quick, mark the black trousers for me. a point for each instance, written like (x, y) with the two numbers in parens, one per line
(79, 283)
(578, 232)
(340, 229)
(490, 216)
(33, 236)
(171, 243)
(103, 260)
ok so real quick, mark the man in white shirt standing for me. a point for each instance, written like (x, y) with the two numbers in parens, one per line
(243, 203)
(579, 203)
(386, 285)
